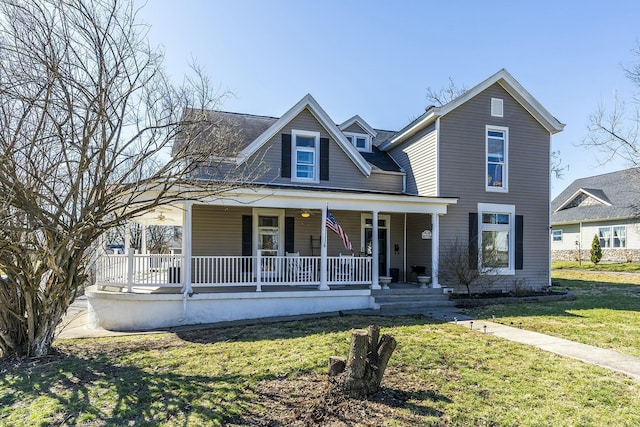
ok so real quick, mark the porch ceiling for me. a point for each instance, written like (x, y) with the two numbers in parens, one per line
(169, 215)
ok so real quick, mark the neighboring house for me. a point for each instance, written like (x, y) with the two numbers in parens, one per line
(603, 205)
(475, 170)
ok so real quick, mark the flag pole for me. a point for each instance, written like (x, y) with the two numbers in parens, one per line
(323, 251)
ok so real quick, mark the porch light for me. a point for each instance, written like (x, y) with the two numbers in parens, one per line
(304, 213)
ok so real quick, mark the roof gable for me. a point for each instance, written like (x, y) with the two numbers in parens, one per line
(608, 196)
(504, 79)
(585, 197)
(323, 118)
(360, 122)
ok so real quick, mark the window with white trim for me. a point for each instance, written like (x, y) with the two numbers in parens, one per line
(496, 238)
(305, 147)
(497, 143)
(613, 237)
(361, 141)
(557, 235)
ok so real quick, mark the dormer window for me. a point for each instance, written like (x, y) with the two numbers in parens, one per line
(359, 140)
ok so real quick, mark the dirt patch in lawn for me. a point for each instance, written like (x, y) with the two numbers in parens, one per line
(307, 401)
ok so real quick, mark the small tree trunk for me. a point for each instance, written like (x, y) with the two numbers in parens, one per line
(365, 366)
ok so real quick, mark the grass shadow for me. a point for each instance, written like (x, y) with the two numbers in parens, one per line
(295, 328)
(68, 386)
(398, 398)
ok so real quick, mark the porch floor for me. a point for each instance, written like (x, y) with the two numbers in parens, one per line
(249, 289)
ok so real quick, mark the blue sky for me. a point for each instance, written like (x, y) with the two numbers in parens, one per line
(377, 58)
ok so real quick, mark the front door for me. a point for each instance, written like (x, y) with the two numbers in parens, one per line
(269, 229)
(383, 240)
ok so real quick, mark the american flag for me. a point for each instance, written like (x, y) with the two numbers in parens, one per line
(333, 225)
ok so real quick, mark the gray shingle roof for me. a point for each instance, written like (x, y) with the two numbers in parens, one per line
(244, 127)
(621, 190)
(379, 158)
(247, 127)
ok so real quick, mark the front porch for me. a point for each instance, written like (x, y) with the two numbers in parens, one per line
(265, 253)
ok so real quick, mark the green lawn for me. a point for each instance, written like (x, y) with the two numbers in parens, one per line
(603, 266)
(606, 312)
(272, 374)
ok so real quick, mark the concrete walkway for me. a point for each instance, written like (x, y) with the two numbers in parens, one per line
(609, 359)
(74, 326)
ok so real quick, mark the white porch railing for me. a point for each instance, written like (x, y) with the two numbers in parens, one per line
(206, 271)
(139, 270)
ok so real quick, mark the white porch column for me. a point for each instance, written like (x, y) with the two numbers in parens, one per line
(404, 251)
(323, 252)
(375, 251)
(127, 237)
(143, 239)
(435, 249)
(187, 232)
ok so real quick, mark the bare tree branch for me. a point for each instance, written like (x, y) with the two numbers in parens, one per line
(88, 123)
(445, 95)
(614, 129)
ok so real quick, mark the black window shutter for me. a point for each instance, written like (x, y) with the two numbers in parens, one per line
(473, 241)
(289, 233)
(519, 242)
(247, 231)
(324, 159)
(285, 167)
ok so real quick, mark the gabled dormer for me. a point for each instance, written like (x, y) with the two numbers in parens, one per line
(304, 153)
(585, 197)
(358, 133)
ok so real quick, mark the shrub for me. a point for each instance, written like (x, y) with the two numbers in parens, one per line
(596, 250)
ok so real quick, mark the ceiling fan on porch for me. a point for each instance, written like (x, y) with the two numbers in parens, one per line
(160, 217)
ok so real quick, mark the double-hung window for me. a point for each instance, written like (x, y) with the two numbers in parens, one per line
(496, 226)
(305, 149)
(359, 140)
(497, 142)
(557, 235)
(613, 237)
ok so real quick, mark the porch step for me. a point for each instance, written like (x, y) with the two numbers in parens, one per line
(411, 299)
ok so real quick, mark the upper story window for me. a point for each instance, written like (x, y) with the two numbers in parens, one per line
(305, 149)
(359, 140)
(496, 157)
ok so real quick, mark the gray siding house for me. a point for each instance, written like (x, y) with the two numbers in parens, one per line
(475, 170)
(603, 205)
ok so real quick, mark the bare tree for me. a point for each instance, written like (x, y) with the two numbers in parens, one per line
(458, 266)
(159, 237)
(445, 95)
(615, 129)
(87, 123)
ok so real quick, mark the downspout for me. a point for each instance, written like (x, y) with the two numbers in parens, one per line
(437, 157)
(550, 237)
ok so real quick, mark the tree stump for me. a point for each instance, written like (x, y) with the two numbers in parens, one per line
(361, 374)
